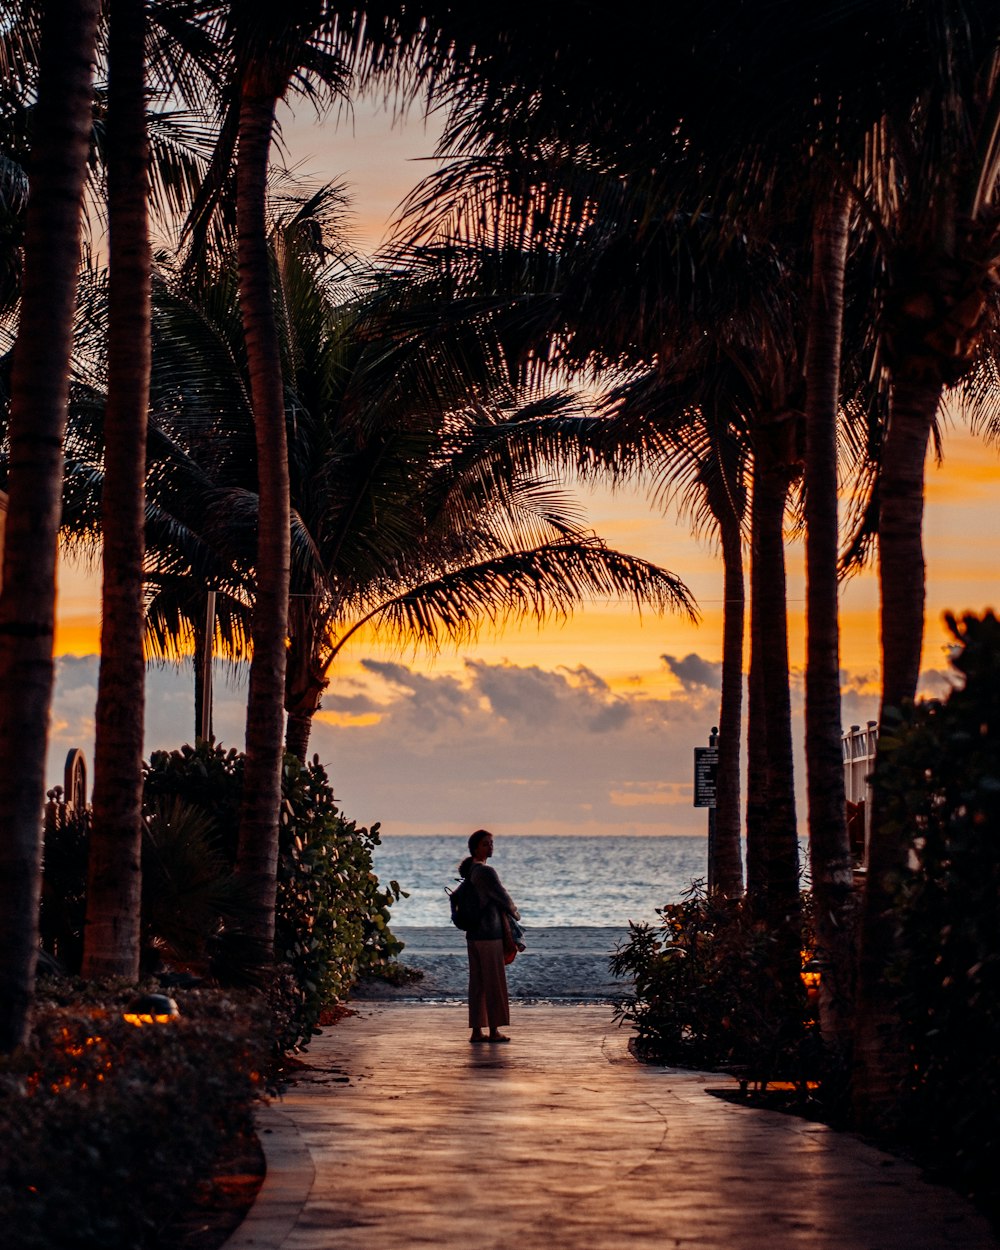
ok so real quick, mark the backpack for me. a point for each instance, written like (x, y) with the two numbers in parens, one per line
(464, 905)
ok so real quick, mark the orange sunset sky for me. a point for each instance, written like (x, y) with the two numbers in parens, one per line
(585, 727)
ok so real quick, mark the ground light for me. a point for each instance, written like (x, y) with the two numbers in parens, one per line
(151, 1009)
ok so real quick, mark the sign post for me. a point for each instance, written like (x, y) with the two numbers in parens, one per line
(706, 763)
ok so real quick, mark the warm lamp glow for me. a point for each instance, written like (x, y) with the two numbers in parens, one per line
(150, 1009)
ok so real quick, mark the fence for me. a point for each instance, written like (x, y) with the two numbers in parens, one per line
(859, 760)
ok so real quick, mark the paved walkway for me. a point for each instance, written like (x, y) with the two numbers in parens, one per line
(402, 1135)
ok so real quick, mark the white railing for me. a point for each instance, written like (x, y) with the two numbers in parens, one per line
(859, 746)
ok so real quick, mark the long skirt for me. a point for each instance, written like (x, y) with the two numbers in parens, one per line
(488, 1003)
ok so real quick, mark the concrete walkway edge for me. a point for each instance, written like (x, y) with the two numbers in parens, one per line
(287, 1183)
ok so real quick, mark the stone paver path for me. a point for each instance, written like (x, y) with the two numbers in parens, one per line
(400, 1134)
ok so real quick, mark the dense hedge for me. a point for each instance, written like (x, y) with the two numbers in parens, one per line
(938, 784)
(106, 1128)
(332, 914)
(706, 995)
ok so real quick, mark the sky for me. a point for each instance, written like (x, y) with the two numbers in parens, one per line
(586, 727)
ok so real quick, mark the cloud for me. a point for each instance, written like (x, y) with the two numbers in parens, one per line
(937, 683)
(518, 748)
(694, 673)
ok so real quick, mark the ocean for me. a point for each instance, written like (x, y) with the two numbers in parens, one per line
(556, 882)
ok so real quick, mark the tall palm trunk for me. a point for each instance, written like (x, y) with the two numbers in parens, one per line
(913, 406)
(297, 734)
(728, 867)
(40, 380)
(780, 831)
(880, 1061)
(829, 845)
(758, 870)
(203, 630)
(304, 686)
(257, 854)
(111, 937)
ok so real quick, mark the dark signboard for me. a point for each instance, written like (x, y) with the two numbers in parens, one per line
(706, 761)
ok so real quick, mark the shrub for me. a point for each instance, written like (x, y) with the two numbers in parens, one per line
(938, 784)
(331, 915)
(106, 1128)
(706, 994)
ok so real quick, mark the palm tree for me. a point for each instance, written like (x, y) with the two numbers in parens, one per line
(306, 46)
(37, 419)
(679, 297)
(411, 512)
(933, 206)
(111, 937)
(830, 857)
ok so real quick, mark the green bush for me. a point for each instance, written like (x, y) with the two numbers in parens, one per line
(706, 994)
(331, 916)
(938, 784)
(106, 1128)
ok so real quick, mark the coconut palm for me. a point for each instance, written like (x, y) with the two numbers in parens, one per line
(676, 296)
(37, 418)
(271, 51)
(771, 109)
(933, 205)
(410, 513)
(111, 944)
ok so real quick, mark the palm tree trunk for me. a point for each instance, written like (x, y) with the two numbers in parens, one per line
(40, 382)
(880, 1061)
(299, 727)
(728, 868)
(304, 685)
(780, 831)
(114, 876)
(829, 845)
(913, 406)
(758, 871)
(203, 629)
(257, 854)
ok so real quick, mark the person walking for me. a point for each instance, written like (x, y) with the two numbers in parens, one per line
(489, 1006)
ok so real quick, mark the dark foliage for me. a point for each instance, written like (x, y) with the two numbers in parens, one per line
(938, 777)
(706, 994)
(332, 914)
(64, 884)
(106, 1128)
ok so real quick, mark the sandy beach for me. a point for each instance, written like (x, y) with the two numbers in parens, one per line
(568, 964)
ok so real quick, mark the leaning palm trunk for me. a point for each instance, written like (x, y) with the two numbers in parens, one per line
(114, 881)
(728, 867)
(880, 1061)
(62, 128)
(830, 851)
(257, 854)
